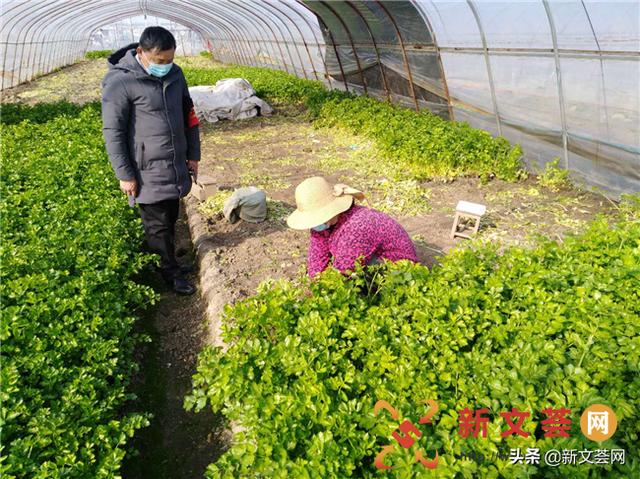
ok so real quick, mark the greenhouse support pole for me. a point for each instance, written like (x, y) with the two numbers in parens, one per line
(182, 41)
(375, 47)
(487, 61)
(333, 44)
(4, 61)
(86, 47)
(116, 25)
(70, 52)
(445, 86)
(543, 51)
(556, 55)
(306, 47)
(405, 57)
(304, 19)
(600, 58)
(21, 60)
(350, 37)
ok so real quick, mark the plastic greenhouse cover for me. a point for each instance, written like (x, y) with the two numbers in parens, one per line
(468, 80)
(276, 33)
(381, 36)
(616, 24)
(519, 23)
(600, 91)
(453, 23)
(515, 24)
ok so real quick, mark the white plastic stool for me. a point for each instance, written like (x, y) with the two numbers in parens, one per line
(466, 209)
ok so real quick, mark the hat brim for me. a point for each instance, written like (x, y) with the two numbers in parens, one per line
(299, 220)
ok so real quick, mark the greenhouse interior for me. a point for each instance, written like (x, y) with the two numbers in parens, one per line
(486, 270)
(559, 78)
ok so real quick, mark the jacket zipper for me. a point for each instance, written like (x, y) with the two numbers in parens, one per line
(166, 113)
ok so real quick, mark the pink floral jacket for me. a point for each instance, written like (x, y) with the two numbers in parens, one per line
(360, 231)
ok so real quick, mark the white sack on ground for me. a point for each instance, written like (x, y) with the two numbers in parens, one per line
(229, 99)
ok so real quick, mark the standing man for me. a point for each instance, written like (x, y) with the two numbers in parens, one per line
(152, 138)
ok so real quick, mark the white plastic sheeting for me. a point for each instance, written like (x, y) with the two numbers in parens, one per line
(228, 99)
(560, 77)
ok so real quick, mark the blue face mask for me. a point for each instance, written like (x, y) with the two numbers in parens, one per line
(321, 227)
(157, 69)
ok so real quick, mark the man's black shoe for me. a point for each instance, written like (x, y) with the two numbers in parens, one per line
(182, 286)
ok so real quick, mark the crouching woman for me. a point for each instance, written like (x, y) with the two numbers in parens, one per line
(344, 232)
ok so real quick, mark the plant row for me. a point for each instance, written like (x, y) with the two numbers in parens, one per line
(69, 257)
(95, 54)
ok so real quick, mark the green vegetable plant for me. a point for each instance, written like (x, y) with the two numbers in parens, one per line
(12, 113)
(553, 177)
(95, 54)
(70, 252)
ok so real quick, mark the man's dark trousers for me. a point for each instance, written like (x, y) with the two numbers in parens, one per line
(159, 221)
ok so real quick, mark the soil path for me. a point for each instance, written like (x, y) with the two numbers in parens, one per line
(177, 444)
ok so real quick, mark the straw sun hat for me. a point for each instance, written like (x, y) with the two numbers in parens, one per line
(318, 201)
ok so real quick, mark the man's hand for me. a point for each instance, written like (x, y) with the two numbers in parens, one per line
(129, 187)
(193, 167)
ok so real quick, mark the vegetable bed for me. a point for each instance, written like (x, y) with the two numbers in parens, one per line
(557, 326)
(70, 250)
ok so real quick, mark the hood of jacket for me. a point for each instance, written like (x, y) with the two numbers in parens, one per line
(125, 59)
